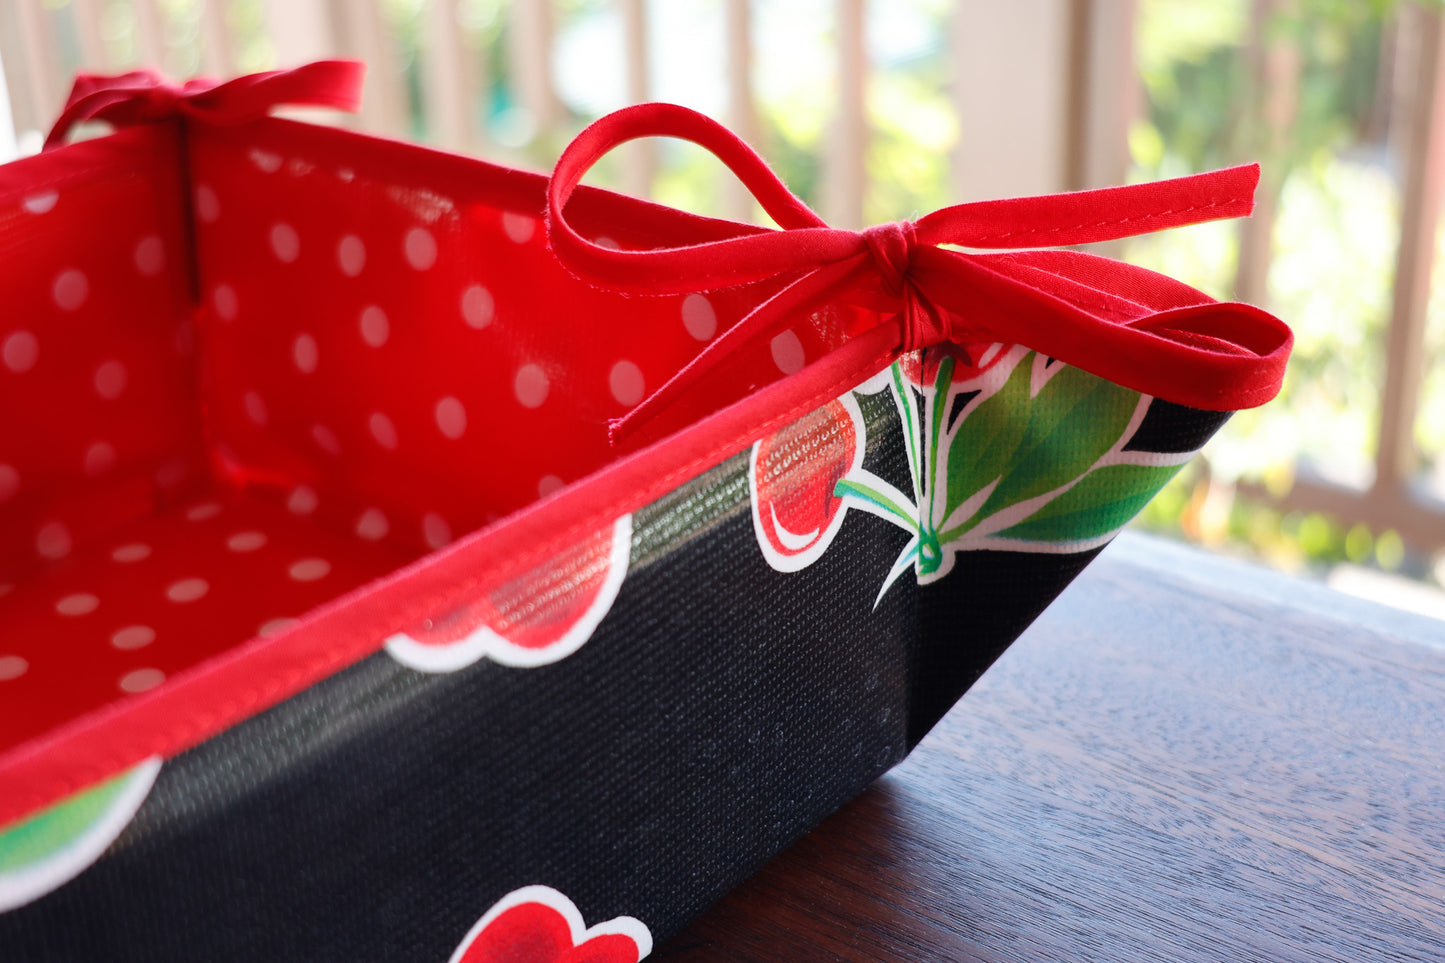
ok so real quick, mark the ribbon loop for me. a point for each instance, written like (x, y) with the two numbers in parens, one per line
(1093, 313)
(144, 96)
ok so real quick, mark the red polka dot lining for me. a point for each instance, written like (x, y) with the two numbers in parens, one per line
(226, 403)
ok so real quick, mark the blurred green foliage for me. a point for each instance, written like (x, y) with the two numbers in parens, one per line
(1333, 172)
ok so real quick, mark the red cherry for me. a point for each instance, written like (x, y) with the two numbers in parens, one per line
(535, 933)
(531, 618)
(793, 476)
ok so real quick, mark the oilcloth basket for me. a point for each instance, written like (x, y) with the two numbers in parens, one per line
(406, 557)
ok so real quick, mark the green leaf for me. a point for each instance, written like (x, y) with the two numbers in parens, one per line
(55, 828)
(1043, 443)
(849, 488)
(939, 402)
(912, 433)
(1101, 503)
(986, 439)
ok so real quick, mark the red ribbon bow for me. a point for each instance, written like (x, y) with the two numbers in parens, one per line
(144, 96)
(1130, 325)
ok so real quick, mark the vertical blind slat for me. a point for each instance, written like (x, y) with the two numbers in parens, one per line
(738, 204)
(529, 48)
(640, 157)
(42, 70)
(844, 174)
(150, 30)
(1275, 66)
(360, 31)
(86, 16)
(1424, 106)
(445, 82)
(217, 57)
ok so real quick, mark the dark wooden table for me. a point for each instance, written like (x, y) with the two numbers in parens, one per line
(1185, 758)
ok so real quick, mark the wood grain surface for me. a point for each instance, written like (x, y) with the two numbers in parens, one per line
(1185, 758)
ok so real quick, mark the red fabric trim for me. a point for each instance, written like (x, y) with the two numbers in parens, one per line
(1226, 357)
(144, 96)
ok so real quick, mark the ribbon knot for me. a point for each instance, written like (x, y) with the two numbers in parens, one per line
(892, 248)
(1126, 324)
(144, 96)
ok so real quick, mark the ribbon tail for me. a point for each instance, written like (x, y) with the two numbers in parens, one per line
(323, 83)
(1085, 217)
(1158, 340)
(797, 298)
(144, 96)
(93, 95)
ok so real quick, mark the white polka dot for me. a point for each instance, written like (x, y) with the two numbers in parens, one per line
(9, 482)
(52, 541)
(372, 525)
(304, 353)
(435, 530)
(81, 603)
(133, 637)
(265, 160)
(150, 255)
(699, 317)
(346, 174)
(12, 667)
(383, 431)
(208, 205)
(275, 627)
(478, 306)
(326, 439)
(451, 417)
(141, 679)
(99, 458)
(203, 511)
(351, 255)
(225, 301)
(608, 243)
(20, 351)
(255, 407)
(187, 590)
(549, 484)
(110, 379)
(302, 501)
(285, 242)
(531, 385)
(519, 227)
(374, 326)
(70, 289)
(40, 203)
(625, 381)
(134, 552)
(245, 541)
(788, 352)
(309, 569)
(421, 248)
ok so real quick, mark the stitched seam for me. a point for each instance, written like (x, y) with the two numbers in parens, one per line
(1152, 216)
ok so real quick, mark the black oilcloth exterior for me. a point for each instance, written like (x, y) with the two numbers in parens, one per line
(719, 711)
